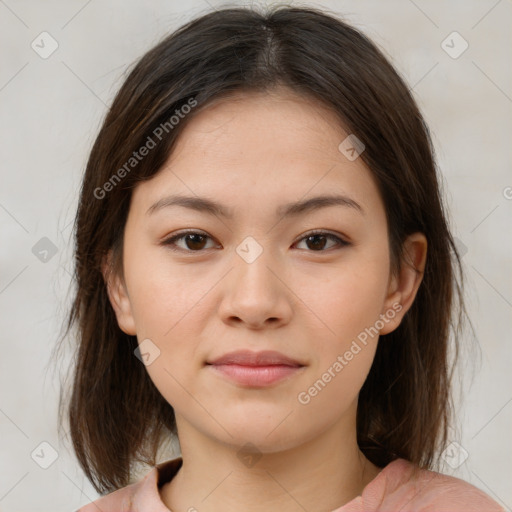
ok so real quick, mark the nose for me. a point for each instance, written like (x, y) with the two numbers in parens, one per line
(256, 295)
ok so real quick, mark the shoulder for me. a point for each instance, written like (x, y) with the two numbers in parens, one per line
(396, 487)
(141, 496)
(121, 500)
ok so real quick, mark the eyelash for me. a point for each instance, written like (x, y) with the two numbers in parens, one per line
(170, 242)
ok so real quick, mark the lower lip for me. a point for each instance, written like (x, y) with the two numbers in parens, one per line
(256, 376)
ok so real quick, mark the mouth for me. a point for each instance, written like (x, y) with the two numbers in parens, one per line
(248, 358)
(255, 369)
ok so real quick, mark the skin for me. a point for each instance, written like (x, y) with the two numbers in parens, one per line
(253, 152)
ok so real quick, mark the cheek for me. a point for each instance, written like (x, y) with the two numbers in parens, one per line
(349, 302)
(168, 307)
(345, 348)
(164, 295)
(333, 393)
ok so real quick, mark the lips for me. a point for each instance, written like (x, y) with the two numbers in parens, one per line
(255, 369)
(248, 358)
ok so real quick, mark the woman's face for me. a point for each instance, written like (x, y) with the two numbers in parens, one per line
(255, 279)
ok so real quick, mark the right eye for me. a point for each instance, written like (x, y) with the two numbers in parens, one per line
(193, 241)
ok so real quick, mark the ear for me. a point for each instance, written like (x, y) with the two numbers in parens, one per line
(404, 286)
(118, 296)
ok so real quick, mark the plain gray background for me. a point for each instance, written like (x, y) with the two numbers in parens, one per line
(50, 112)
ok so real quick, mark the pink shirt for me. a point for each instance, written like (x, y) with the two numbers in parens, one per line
(390, 491)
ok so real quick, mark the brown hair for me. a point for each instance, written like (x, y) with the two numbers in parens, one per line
(116, 415)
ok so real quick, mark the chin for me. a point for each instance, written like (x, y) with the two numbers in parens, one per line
(263, 435)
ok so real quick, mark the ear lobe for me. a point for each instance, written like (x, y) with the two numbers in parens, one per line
(404, 286)
(118, 296)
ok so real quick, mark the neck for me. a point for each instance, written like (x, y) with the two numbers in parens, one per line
(322, 474)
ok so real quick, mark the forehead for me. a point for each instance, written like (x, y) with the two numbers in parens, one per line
(301, 124)
(277, 146)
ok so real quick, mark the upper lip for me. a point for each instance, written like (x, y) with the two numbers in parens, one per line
(248, 358)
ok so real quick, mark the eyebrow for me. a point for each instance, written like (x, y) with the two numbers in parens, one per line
(205, 205)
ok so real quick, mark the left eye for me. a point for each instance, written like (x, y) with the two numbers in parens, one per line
(195, 241)
(316, 239)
